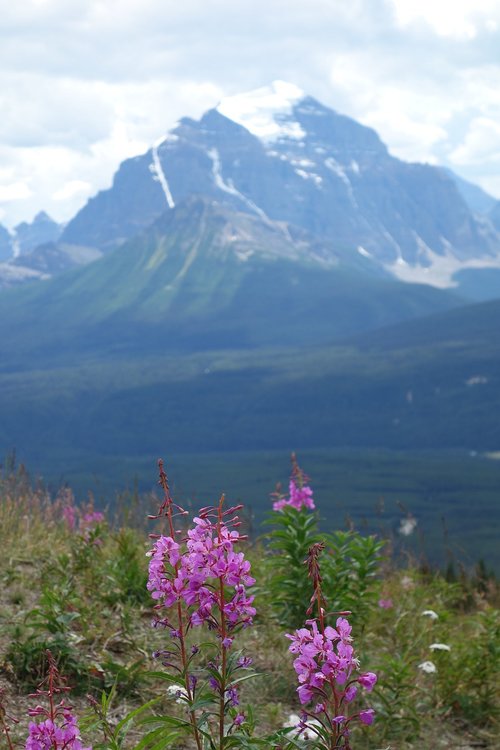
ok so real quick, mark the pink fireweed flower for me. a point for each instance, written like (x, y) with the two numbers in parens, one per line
(300, 493)
(368, 681)
(350, 693)
(385, 603)
(280, 504)
(58, 729)
(322, 657)
(91, 519)
(69, 515)
(326, 662)
(189, 574)
(300, 497)
(367, 716)
(49, 736)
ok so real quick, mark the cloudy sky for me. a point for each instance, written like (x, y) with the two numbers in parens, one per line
(87, 83)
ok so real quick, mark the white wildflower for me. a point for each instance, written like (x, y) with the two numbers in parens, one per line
(407, 526)
(439, 647)
(293, 722)
(428, 667)
(178, 692)
(431, 614)
(407, 583)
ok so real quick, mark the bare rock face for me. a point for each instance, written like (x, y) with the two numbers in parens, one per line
(282, 156)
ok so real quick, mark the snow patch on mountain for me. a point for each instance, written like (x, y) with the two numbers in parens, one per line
(11, 274)
(266, 112)
(361, 250)
(337, 169)
(310, 176)
(16, 248)
(424, 252)
(440, 269)
(159, 174)
(228, 186)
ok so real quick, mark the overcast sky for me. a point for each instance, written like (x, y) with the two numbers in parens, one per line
(87, 83)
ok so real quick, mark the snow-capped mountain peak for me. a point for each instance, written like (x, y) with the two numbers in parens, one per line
(267, 112)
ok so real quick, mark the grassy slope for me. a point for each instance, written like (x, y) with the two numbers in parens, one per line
(181, 287)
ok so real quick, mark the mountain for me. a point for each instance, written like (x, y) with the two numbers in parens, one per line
(33, 252)
(494, 215)
(5, 244)
(40, 231)
(282, 156)
(245, 294)
(206, 276)
(53, 258)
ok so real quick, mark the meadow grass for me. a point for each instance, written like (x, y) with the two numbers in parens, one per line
(82, 594)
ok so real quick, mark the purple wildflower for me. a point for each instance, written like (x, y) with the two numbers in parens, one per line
(232, 696)
(188, 576)
(300, 496)
(59, 728)
(300, 493)
(325, 661)
(385, 603)
(350, 693)
(92, 519)
(69, 515)
(367, 680)
(367, 716)
(49, 736)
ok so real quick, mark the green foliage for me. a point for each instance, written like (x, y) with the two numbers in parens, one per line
(288, 584)
(26, 657)
(114, 734)
(49, 625)
(126, 575)
(349, 566)
(397, 710)
(469, 675)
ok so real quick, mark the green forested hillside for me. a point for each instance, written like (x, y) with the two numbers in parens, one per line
(205, 277)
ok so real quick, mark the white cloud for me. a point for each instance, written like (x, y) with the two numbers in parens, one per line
(15, 191)
(481, 143)
(71, 189)
(462, 19)
(490, 183)
(85, 84)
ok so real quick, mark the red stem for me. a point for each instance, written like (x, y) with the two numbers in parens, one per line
(180, 619)
(5, 729)
(321, 619)
(223, 632)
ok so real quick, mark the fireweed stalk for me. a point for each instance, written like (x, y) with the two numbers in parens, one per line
(300, 493)
(202, 580)
(325, 667)
(5, 720)
(59, 729)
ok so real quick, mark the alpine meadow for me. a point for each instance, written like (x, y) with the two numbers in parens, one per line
(250, 377)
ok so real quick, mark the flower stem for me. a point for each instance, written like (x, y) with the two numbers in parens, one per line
(223, 634)
(5, 730)
(168, 502)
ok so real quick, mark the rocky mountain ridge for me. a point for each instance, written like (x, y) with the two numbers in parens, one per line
(286, 159)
